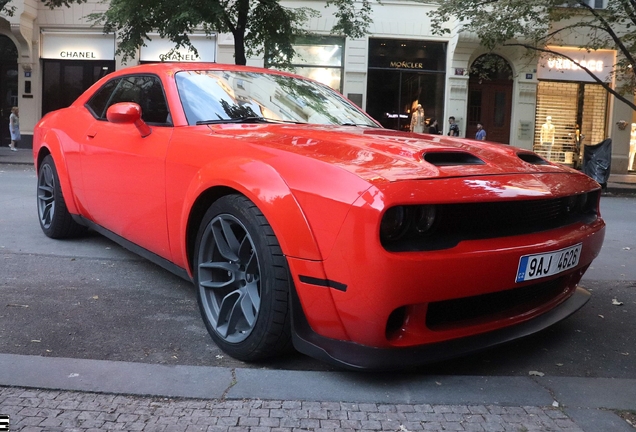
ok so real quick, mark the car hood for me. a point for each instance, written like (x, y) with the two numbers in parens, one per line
(375, 154)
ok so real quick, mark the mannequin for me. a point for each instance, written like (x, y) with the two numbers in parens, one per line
(547, 135)
(418, 121)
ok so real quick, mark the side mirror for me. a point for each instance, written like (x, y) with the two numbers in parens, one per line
(127, 113)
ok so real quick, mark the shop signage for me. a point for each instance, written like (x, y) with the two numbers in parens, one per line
(599, 62)
(158, 49)
(78, 55)
(68, 45)
(406, 65)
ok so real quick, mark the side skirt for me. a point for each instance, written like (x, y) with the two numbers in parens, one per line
(126, 244)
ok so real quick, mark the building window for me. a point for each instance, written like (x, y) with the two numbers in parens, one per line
(319, 58)
(569, 116)
(404, 73)
(65, 80)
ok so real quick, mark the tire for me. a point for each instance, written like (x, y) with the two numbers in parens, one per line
(242, 281)
(55, 220)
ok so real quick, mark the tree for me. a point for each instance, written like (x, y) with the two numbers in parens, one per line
(255, 24)
(541, 26)
(5, 9)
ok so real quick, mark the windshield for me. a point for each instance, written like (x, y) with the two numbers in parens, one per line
(219, 96)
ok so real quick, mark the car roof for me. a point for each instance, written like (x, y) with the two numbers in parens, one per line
(174, 67)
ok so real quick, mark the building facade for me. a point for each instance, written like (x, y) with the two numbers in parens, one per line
(48, 57)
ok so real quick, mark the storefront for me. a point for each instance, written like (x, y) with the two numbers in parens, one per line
(8, 85)
(402, 74)
(157, 49)
(71, 63)
(571, 109)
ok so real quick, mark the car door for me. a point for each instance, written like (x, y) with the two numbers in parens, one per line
(124, 172)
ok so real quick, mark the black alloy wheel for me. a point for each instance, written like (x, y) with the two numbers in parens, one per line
(242, 281)
(55, 219)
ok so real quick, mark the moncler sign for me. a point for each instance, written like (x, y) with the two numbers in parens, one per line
(406, 65)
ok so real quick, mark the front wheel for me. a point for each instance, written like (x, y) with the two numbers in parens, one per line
(242, 281)
(55, 219)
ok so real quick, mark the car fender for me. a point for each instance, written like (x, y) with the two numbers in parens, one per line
(50, 144)
(263, 185)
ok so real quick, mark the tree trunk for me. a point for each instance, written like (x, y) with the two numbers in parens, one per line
(239, 49)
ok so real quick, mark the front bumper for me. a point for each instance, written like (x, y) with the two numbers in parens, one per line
(359, 357)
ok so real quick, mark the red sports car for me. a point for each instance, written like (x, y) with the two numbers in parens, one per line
(302, 222)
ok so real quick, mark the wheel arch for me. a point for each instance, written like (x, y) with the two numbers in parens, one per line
(263, 186)
(51, 146)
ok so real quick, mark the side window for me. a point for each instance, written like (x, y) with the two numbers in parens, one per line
(99, 102)
(146, 91)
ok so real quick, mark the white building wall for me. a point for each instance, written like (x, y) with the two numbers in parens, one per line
(391, 19)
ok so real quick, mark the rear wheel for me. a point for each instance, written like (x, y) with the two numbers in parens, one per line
(55, 220)
(242, 281)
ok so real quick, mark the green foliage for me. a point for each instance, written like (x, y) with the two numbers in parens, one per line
(255, 24)
(540, 24)
(5, 9)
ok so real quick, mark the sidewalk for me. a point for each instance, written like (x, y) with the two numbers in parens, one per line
(617, 184)
(59, 394)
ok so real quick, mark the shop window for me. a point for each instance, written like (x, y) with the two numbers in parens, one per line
(8, 85)
(569, 116)
(404, 73)
(318, 58)
(65, 80)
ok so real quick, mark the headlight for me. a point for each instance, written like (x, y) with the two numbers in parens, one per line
(570, 203)
(425, 218)
(407, 223)
(395, 223)
(582, 202)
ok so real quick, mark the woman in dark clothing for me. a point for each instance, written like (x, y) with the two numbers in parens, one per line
(433, 129)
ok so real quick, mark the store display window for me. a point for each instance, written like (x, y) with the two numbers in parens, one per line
(403, 74)
(569, 116)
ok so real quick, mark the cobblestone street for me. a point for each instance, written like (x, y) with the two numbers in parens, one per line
(35, 411)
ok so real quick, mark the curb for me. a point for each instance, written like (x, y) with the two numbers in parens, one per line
(205, 382)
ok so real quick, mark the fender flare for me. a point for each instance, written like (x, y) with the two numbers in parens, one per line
(51, 145)
(262, 185)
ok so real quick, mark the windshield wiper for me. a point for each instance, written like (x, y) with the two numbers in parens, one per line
(245, 119)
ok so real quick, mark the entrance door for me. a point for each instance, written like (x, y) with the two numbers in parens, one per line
(65, 80)
(490, 98)
(490, 104)
(8, 85)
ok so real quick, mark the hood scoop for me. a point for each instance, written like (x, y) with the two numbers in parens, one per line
(533, 159)
(451, 158)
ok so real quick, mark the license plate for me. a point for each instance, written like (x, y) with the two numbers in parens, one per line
(548, 264)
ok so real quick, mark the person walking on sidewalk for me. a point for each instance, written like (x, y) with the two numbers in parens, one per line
(14, 128)
(481, 133)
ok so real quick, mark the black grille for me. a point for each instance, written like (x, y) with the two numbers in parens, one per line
(489, 307)
(470, 221)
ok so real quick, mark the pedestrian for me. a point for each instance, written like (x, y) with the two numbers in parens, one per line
(481, 133)
(14, 128)
(418, 121)
(433, 128)
(453, 130)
